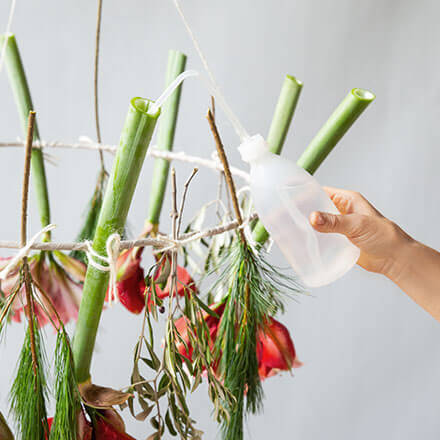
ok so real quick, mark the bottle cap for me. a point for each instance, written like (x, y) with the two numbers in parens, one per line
(253, 148)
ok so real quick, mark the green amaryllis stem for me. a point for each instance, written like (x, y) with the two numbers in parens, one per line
(329, 135)
(23, 100)
(284, 110)
(336, 126)
(135, 139)
(165, 136)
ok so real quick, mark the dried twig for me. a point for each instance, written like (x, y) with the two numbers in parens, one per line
(23, 238)
(227, 170)
(182, 203)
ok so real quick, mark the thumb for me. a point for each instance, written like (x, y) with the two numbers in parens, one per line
(342, 224)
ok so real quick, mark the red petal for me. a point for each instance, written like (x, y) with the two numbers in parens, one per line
(185, 283)
(182, 327)
(84, 427)
(130, 282)
(276, 351)
(104, 430)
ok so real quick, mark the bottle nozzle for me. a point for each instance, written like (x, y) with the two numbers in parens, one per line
(253, 147)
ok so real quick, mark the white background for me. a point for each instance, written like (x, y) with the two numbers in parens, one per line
(371, 355)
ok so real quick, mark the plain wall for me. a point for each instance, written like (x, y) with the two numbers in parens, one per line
(371, 355)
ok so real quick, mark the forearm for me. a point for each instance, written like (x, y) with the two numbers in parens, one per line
(416, 270)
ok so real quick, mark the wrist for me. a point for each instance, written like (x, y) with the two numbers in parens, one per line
(405, 249)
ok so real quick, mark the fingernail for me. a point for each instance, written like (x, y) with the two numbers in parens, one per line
(318, 219)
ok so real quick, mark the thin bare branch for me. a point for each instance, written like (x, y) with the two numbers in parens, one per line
(227, 170)
(182, 203)
(23, 238)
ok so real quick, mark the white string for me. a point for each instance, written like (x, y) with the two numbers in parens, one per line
(7, 33)
(213, 86)
(153, 151)
(24, 252)
(113, 248)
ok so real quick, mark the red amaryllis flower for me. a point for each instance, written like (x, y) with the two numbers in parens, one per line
(162, 279)
(130, 283)
(84, 427)
(60, 280)
(106, 430)
(275, 349)
(108, 425)
(212, 323)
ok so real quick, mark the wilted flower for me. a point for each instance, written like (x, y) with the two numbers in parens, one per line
(130, 283)
(59, 279)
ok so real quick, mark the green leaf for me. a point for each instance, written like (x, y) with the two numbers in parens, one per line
(169, 424)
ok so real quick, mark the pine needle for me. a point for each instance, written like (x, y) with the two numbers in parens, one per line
(66, 391)
(256, 291)
(29, 391)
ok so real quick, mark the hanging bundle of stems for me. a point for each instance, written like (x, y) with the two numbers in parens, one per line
(344, 116)
(135, 139)
(255, 293)
(29, 392)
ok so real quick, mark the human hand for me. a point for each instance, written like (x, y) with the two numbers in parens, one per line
(379, 239)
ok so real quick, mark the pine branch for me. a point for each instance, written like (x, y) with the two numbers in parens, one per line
(238, 328)
(68, 401)
(29, 389)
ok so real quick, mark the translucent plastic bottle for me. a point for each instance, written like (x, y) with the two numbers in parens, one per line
(284, 196)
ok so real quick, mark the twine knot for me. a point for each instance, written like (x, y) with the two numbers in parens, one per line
(113, 248)
(24, 252)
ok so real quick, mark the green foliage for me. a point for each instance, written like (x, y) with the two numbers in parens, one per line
(255, 292)
(68, 401)
(29, 390)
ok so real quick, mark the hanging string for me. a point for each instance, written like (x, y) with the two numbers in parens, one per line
(212, 84)
(7, 33)
(95, 80)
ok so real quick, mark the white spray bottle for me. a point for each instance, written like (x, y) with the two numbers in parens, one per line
(284, 196)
